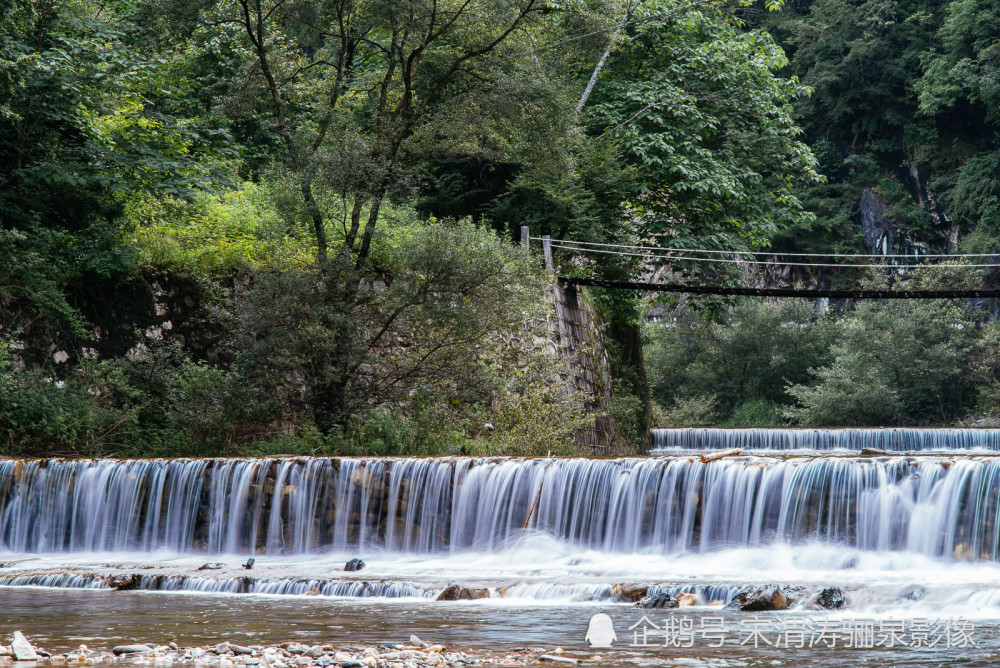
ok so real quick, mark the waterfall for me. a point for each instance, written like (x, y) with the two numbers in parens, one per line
(888, 439)
(667, 505)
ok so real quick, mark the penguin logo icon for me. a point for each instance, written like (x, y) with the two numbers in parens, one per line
(601, 632)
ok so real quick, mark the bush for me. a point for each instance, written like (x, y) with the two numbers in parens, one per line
(749, 354)
(900, 362)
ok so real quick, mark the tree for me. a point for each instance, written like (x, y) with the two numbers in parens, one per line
(694, 101)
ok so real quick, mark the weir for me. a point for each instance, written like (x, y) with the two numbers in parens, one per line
(889, 439)
(931, 505)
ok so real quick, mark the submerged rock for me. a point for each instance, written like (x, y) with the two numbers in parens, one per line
(22, 649)
(832, 598)
(912, 593)
(211, 567)
(658, 601)
(354, 565)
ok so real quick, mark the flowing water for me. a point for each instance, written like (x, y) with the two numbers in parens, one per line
(111, 551)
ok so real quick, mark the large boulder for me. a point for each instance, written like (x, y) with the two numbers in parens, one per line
(758, 599)
(832, 598)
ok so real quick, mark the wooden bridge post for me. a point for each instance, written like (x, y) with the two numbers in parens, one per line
(547, 248)
(525, 237)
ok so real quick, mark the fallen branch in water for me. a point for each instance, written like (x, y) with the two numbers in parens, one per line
(719, 455)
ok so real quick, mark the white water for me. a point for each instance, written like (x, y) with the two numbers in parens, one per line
(930, 506)
(895, 439)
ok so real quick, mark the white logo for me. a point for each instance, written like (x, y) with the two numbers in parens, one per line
(601, 632)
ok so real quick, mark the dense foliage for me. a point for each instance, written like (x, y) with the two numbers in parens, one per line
(343, 181)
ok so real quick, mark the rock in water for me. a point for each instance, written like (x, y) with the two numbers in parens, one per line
(658, 601)
(211, 567)
(832, 598)
(629, 592)
(130, 649)
(249, 563)
(354, 565)
(414, 640)
(757, 599)
(456, 593)
(685, 600)
(22, 649)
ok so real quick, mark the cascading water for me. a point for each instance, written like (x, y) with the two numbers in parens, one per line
(663, 505)
(890, 439)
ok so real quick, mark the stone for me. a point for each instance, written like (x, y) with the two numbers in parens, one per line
(685, 600)
(414, 640)
(660, 600)
(197, 653)
(341, 657)
(249, 564)
(221, 648)
(456, 593)
(832, 598)
(912, 593)
(22, 649)
(6, 651)
(757, 599)
(315, 652)
(130, 649)
(629, 592)
(873, 452)
(557, 659)
(354, 565)
(239, 649)
(211, 567)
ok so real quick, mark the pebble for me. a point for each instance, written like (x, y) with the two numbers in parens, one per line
(415, 654)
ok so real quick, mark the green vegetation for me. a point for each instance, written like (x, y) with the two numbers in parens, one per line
(897, 362)
(335, 188)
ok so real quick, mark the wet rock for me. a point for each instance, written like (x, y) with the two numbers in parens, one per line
(130, 649)
(313, 591)
(249, 563)
(557, 659)
(912, 593)
(354, 565)
(240, 650)
(685, 600)
(126, 582)
(757, 599)
(658, 601)
(314, 652)
(414, 640)
(629, 592)
(22, 649)
(456, 593)
(221, 648)
(873, 452)
(832, 598)
(211, 567)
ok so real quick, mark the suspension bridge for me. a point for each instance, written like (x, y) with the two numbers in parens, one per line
(981, 262)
